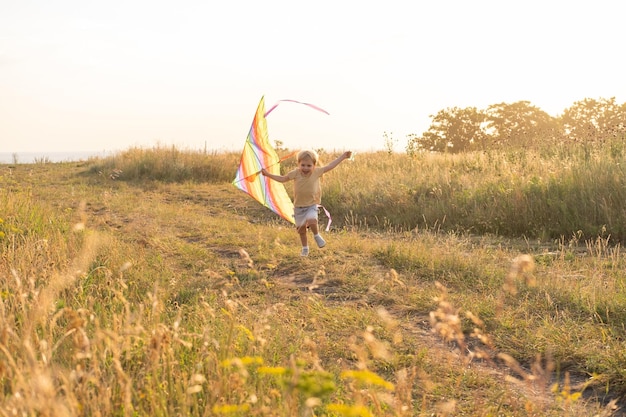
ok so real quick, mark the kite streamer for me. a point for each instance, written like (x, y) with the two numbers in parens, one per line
(313, 106)
(330, 219)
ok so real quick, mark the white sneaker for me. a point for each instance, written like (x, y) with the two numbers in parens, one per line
(320, 241)
(305, 251)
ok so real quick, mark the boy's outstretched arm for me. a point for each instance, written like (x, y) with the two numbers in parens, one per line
(279, 178)
(340, 159)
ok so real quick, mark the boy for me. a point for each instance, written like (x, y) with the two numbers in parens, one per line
(307, 192)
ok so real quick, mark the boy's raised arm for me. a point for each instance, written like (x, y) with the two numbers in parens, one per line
(340, 159)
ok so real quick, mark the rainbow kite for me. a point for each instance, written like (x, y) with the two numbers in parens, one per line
(258, 154)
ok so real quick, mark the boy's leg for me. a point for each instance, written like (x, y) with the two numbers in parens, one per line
(313, 226)
(302, 233)
(303, 240)
(316, 233)
(301, 227)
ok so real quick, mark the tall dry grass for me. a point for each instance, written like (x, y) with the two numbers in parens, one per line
(516, 194)
(545, 195)
(167, 164)
(121, 299)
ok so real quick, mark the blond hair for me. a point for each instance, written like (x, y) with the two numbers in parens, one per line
(307, 153)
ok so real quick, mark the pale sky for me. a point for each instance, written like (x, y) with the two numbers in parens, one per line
(109, 75)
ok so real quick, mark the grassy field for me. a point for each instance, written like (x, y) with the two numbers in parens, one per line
(146, 284)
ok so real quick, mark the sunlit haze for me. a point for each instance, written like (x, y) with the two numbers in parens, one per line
(105, 76)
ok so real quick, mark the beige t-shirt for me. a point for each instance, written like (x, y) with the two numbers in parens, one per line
(307, 191)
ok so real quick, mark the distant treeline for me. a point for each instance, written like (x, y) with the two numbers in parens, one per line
(521, 125)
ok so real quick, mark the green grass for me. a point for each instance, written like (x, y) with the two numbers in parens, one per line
(150, 292)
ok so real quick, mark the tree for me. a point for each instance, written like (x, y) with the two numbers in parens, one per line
(591, 120)
(520, 124)
(452, 130)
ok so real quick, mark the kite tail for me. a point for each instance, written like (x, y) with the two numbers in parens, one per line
(313, 106)
(330, 220)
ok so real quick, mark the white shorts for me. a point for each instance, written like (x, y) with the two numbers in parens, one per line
(302, 214)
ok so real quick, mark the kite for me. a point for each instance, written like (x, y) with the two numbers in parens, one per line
(258, 154)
